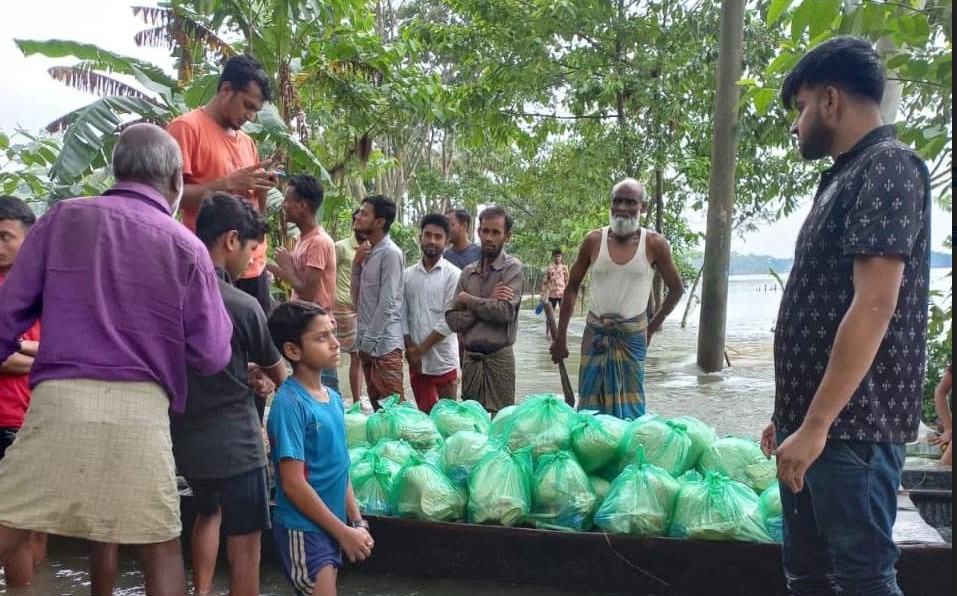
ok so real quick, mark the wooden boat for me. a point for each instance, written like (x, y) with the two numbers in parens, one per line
(594, 562)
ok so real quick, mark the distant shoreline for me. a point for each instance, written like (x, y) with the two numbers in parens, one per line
(750, 264)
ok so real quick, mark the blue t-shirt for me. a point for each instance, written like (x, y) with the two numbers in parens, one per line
(302, 428)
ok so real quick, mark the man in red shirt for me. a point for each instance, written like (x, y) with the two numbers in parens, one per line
(16, 218)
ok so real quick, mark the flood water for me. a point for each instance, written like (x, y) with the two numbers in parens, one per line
(737, 400)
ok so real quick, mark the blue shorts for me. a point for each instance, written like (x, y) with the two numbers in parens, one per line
(304, 555)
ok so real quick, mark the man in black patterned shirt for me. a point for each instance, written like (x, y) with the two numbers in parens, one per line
(849, 344)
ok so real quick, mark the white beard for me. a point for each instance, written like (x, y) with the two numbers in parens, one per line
(623, 226)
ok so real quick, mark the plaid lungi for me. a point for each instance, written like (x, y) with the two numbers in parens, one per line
(93, 460)
(611, 378)
(489, 378)
(383, 376)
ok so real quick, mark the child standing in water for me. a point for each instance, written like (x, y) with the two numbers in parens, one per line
(316, 519)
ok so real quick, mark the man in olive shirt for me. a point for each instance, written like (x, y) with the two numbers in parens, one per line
(486, 314)
(345, 309)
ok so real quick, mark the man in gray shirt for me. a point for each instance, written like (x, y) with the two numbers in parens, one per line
(379, 339)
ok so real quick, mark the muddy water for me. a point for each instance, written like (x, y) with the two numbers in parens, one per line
(738, 400)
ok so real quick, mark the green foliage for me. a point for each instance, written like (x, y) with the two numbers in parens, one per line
(916, 39)
(25, 163)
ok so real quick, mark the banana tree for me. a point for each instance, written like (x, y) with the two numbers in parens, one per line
(90, 131)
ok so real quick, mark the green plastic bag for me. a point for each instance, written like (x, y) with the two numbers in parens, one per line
(691, 476)
(701, 434)
(601, 488)
(498, 423)
(543, 422)
(402, 420)
(421, 491)
(718, 508)
(451, 416)
(562, 496)
(397, 450)
(500, 488)
(357, 451)
(772, 513)
(639, 502)
(355, 425)
(741, 460)
(666, 444)
(372, 481)
(462, 452)
(595, 439)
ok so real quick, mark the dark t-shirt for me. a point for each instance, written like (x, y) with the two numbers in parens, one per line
(466, 257)
(219, 434)
(874, 201)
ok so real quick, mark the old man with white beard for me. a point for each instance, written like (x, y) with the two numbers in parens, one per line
(623, 258)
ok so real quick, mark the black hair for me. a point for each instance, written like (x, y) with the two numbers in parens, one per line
(847, 62)
(383, 207)
(16, 209)
(289, 321)
(436, 219)
(556, 251)
(309, 189)
(222, 212)
(242, 70)
(462, 216)
(496, 211)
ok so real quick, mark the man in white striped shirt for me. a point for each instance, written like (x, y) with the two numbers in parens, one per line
(431, 348)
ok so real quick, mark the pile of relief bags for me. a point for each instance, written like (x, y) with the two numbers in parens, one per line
(543, 464)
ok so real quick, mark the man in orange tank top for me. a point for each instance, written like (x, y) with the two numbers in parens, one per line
(623, 259)
(219, 156)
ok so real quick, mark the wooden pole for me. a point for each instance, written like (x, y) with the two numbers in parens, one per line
(567, 388)
(717, 254)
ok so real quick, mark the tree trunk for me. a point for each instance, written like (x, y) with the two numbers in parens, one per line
(717, 254)
(657, 293)
(692, 297)
(894, 88)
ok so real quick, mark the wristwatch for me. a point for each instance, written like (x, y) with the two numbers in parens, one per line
(359, 523)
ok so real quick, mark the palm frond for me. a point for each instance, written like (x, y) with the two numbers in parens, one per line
(83, 78)
(171, 28)
(92, 129)
(97, 58)
(155, 37)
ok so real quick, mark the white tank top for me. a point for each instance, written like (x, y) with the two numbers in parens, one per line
(621, 290)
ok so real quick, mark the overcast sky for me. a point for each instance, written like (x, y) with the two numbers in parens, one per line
(30, 99)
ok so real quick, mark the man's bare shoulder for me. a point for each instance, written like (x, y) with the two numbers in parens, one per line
(592, 239)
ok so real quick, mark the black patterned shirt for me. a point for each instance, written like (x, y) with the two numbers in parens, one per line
(874, 201)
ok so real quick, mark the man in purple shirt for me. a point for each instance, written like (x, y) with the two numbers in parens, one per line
(128, 299)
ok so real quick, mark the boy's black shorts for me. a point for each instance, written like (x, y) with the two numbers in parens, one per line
(243, 499)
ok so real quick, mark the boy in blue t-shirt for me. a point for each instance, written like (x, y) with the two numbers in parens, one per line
(316, 519)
